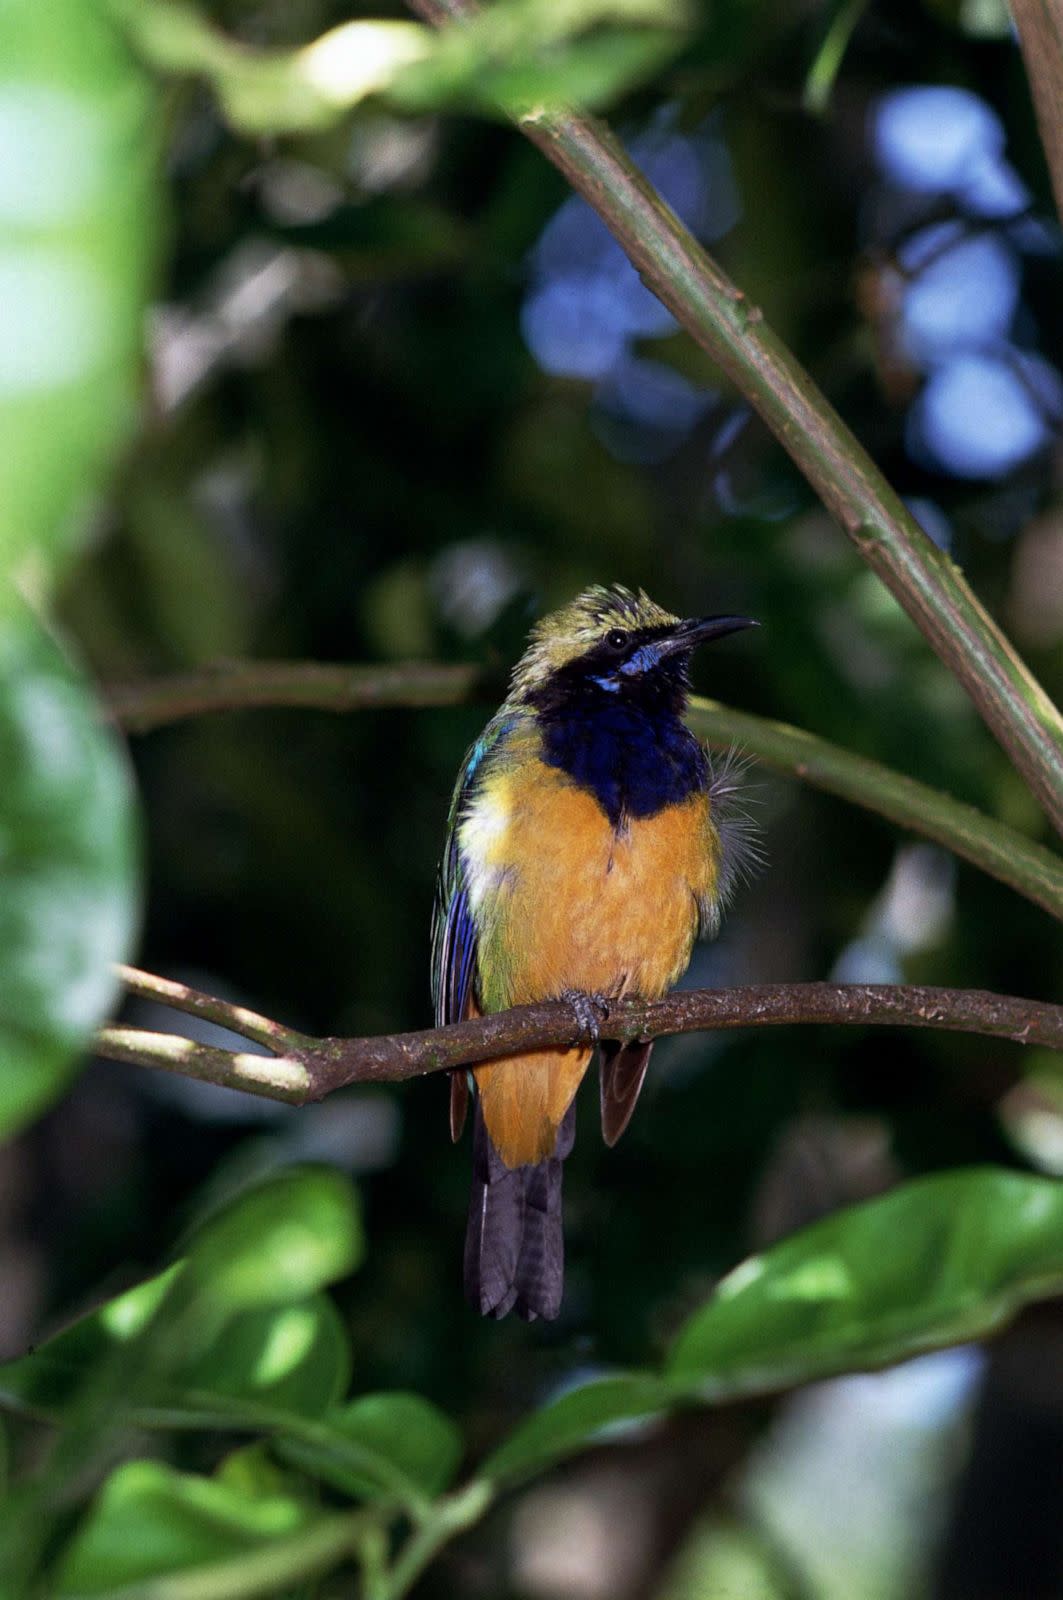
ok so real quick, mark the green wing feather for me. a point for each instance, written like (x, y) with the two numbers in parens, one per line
(454, 933)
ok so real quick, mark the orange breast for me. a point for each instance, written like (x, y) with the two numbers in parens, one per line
(569, 903)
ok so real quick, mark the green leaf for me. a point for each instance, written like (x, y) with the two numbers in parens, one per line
(936, 1262)
(67, 867)
(604, 1408)
(382, 1441)
(512, 54)
(150, 1520)
(53, 1376)
(78, 241)
(274, 1243)
(296, 1358)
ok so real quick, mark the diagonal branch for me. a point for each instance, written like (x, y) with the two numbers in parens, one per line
(922, 578)
(1015, 860)
(309, 1069)
(1040, 29)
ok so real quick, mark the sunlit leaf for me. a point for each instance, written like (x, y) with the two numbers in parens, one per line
(54, 1374)
(295, 1357)
(938, 1261)
(149, 1520)
(77, 244)
(512, 54)
(67, 867)
(606, 1408)
(378, 1436)
(276, 1242)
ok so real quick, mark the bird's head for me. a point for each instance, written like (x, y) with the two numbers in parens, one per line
(613, 644)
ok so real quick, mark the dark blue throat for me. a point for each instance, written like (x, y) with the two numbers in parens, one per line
(634, 760)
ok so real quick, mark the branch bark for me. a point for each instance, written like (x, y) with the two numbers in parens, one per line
(244, 685)
(922, 578)
(1040, 26)
(306, 1069)
(1006, 855)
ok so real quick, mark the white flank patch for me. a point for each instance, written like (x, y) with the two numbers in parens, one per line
(480, 838)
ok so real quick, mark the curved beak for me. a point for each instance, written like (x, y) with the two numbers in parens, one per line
(700, 630)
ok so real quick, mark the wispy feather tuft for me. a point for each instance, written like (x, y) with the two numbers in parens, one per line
(742, 853)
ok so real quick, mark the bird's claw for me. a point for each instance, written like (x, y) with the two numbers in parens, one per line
(591, 1011)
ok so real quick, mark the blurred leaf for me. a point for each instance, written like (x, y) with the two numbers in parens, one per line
(936, 1262)
(984, 19)
(238, 1317)
(578, 1418)
(150, 1520)
(516, 53)
(51, 1378)
(294, 1357)
(724, 1558)
(67, 868)
(397, 1432)
(252, 1470)
(78, 240)
(274, 1243)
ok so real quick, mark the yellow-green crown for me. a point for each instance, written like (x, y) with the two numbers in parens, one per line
(564, 635)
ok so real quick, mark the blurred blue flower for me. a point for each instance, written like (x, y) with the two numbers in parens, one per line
(643, 410)
(574, 327)
(964, 290)
(933, 138)
(586, 306)
(982, 415)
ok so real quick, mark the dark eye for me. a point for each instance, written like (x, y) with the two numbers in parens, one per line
(616, 638)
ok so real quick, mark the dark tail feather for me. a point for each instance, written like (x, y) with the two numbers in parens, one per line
(621, 1069)
(514, 1244)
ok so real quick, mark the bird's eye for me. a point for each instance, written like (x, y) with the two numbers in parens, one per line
(616, 638)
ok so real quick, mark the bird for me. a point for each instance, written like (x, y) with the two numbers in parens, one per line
(590, 841)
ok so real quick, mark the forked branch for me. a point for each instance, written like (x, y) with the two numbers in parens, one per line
(302, 1068)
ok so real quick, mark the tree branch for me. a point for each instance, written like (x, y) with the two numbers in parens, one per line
(244, 685)
(999, 850)
(1040, 27)
(922, 578)
(308, 1069)
(1015, 860)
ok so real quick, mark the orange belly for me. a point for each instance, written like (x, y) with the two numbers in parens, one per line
(567, 902)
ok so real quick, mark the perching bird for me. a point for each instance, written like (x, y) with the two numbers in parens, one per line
(588, 847)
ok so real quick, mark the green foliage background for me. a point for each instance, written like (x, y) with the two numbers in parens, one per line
(338, 415)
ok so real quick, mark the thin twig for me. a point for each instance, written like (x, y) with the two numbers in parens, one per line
(924, 579)
(999, 850)
(167, 992)
(318, 1067)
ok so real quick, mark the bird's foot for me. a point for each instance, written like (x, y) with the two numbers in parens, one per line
(591, 1011)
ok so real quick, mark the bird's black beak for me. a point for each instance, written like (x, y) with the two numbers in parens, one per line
(700, 630)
